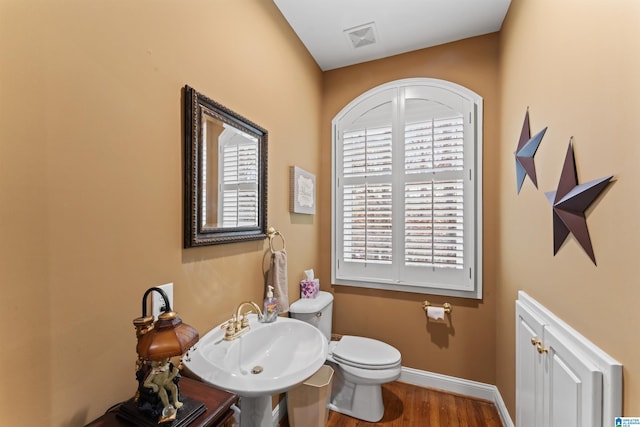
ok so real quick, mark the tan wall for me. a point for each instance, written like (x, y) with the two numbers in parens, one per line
(575, 64)
(91, 182)
(25, 353)
(397, 317)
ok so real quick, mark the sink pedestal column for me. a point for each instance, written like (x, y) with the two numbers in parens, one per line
(256, 411)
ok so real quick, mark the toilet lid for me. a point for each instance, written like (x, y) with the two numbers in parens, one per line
(365, 352)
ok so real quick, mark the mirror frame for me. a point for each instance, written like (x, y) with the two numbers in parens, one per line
(194, 233)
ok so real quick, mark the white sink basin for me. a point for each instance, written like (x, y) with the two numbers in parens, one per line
(270, 358)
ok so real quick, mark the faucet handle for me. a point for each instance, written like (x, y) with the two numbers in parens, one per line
(230, 327)
(245, 322)
(231, 323)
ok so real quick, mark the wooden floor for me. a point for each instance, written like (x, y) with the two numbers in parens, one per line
(411, 406)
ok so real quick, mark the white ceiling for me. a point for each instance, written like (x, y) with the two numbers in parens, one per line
(398, 25)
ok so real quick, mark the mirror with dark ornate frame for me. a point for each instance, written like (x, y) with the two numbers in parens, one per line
(225, 174)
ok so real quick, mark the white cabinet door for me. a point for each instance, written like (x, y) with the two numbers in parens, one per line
(563, 380)
(529, 382)
(572, 385)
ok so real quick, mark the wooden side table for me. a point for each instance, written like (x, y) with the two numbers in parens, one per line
(217, 402)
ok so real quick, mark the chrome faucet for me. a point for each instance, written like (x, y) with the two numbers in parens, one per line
(239, 324)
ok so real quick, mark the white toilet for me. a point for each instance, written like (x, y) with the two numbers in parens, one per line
(361, 365)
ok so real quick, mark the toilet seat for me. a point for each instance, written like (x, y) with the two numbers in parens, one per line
(365, 353)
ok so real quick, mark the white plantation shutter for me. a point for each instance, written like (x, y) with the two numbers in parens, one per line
(434, 227)
(434, 208)
(367, 223)
(434, 145)
(367, 152)
(238, 192)
(367, 206)
(407, 189)
(205, 183)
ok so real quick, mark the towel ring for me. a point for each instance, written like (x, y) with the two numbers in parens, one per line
(272, 233)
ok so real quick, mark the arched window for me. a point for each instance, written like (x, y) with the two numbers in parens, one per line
(407, 190)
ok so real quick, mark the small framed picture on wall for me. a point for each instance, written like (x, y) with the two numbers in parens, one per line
(302, 192)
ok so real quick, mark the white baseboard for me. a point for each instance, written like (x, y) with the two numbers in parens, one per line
(459, 386)
(438, 381)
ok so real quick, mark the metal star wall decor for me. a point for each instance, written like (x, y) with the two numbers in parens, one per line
(527, 148)
(569, 203)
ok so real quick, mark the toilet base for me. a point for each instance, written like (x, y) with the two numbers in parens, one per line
(361, 401)
(367, 404)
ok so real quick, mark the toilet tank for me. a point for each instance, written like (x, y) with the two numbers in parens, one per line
(317, 311)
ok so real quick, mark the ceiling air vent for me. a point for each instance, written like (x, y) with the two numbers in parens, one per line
(362, 35)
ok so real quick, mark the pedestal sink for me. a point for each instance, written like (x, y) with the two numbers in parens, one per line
(269, 358)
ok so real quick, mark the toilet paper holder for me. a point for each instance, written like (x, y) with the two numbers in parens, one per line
(447, 307)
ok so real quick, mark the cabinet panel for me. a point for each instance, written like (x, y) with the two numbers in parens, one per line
(528, 370)
(573, 386)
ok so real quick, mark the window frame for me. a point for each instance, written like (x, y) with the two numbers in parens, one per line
(395, 92)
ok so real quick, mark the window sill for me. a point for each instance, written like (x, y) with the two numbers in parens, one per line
(417, 289)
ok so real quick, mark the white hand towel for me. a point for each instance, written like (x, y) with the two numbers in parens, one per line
(277, 277)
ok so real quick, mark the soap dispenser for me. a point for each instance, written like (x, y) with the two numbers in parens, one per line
(270, 308)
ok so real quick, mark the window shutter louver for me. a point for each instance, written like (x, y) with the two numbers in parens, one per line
(205, 183)
(434, 227)
(239, 186)
(434, 210)
(367, 206)
(367, 223)
(435, 145)
(367, 152)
